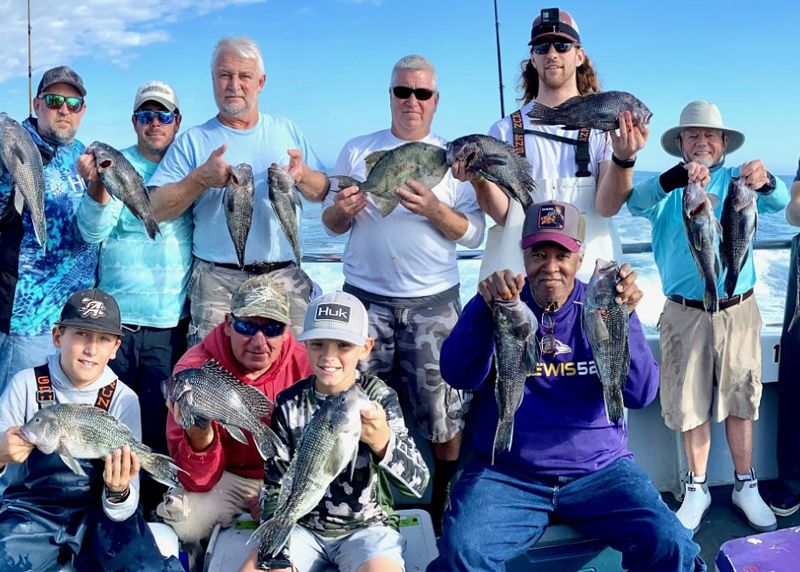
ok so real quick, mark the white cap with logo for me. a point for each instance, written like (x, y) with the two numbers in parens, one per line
(336, 316)
(157, 91)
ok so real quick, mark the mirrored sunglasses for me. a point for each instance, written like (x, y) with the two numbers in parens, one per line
(404, 92)
(250, 329)
(146, 117)
(544, 47)
(54, 101)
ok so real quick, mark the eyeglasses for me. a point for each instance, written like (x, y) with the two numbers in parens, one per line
(146, 117)
(404, 92)
(549, 344)
(561, 47)
(53, 101)
(250, 329)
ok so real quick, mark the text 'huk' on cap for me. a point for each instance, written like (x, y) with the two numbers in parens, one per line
(336, 316)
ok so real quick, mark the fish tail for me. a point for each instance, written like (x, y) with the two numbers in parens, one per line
(612, 395)
(160, 466)
(273, 534)
(730, 282)
(710, 298)
(40, 230)
(267, 442)
(151, 226)
(503, 436)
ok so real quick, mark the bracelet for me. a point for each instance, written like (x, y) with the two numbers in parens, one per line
(626, 164)
(479, 179)
(118, 496)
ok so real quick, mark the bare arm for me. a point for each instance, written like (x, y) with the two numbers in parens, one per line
(313, 184)
(614, 184)
(793, 208)
(491, 198)
(347, 203)
(423, 202)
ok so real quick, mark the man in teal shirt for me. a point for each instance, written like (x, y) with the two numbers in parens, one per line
(699, 348)
(148, 278)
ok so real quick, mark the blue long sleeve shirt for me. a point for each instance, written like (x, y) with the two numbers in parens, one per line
(560, 428)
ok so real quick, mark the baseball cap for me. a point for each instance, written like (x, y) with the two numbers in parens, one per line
(92, 310)
(261, 297)
(157, 91)
(552, 221)
(553, 23)
(61, 74)
(336, 316)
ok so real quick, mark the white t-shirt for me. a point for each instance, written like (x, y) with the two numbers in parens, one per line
(403, 254)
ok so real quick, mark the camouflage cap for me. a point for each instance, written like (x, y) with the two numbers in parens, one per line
(92, 310)
(336, 316)
(552, 221)
(261, 297)
(61, 74)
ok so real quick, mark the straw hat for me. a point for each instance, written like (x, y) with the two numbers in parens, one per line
(700, 114)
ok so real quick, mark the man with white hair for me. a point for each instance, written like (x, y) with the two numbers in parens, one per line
(196, 169)
(403, 266)
(702, 348)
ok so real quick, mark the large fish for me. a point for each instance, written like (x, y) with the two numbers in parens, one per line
(85, 432)
(22, 160)
(389, 170)
(210, 393)
(286, 205)
(596, 111)
(238, 199)
(739, 220)
(497, 162)
(124, 183)
(329, 444)
(515, 354)
(606, 325)
(702, 230)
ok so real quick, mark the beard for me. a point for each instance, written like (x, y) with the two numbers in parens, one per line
(62, 136)
(234, 109)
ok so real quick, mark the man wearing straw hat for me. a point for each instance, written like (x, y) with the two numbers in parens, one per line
(699, 348)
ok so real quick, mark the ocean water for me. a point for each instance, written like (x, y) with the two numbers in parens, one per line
(772, 266)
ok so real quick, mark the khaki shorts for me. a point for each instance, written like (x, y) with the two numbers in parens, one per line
(701, 351)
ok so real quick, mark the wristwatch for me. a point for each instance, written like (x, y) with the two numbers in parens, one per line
(626, 164)
(120, 496)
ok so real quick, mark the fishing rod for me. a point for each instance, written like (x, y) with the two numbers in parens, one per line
(30, 68)
(499, 60)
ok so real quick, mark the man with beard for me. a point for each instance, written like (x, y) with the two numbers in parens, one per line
(35, 282)
(148, 278)
(584, 170)
(196, 169)
(703, 348)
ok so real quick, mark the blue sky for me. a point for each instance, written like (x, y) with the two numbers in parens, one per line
(328, 61)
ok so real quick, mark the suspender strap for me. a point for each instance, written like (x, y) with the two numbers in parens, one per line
(104, 395)
(519, 133)
(582, 156)
(44, 388)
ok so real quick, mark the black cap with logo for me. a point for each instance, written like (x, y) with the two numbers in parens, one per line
(92, 310)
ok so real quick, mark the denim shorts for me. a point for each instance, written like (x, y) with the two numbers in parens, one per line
(312, 552)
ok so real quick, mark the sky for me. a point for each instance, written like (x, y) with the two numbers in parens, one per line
(328, 62)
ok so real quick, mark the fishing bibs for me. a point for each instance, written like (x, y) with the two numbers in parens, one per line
(45, 396)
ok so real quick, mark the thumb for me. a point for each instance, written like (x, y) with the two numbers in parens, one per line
(219, 152)
(520, 282)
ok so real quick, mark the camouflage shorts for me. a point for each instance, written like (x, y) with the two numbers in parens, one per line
(211, 288)
(408, 343)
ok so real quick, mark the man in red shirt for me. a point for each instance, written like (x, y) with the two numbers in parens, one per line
(223, 477)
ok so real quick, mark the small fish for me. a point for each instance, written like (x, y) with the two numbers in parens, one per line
(389, 170)
(124, 183)
(22, 160)
(595, 110)
(702, 230)
(286, 205)
(211, 393)
(739, 220)
(238, 199)
(496, 161)
(85, 432)
(516, 354)
(606, 325)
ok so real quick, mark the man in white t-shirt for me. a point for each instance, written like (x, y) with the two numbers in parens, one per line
(592, 171)
(403, 266)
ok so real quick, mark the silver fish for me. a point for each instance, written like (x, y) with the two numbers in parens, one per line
(85, 432)
(595, 110)
(516, 354)
(22, 160)
(211, 393)
(124, 183)
(286, 205)
(739, 220)
(389, 170)
(606, 325)
(496, 161)
(238, 199)
(329, 444)
(702, 230)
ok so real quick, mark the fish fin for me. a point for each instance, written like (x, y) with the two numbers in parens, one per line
(386, 206)
(273, 534)
(371, 159)
(345, 181)
(268, 444)
(151, 226)
(236, 433)
(612, 395)
(19, 201)
(258, 403)
(19, 153)
(333, 462)
(503, 436)
(161, 467)
(531, 356)
(494, 160)
(600, 328)
(70, 461)
(713, 200)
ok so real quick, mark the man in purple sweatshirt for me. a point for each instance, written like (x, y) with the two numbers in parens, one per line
(566, 459)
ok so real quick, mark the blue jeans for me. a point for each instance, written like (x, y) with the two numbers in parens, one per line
(22, 352)
(497, 514)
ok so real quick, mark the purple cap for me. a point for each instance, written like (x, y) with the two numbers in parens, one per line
(561, 223)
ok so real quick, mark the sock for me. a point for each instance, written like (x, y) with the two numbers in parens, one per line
(743, 477)
(700, 479)
(443, 472)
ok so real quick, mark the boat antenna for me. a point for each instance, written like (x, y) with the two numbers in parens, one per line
(30, 68)
(499, 60)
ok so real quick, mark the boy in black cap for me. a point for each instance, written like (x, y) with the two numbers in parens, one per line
(47, 509)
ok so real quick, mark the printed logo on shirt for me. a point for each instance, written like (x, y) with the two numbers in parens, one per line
(568, 369)
(77, 183)
(92, 309)
(335, 312)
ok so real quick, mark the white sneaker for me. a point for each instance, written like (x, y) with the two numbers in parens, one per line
(748, 501)
(696, 502)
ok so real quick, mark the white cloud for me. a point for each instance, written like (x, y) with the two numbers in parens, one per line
(64, 31)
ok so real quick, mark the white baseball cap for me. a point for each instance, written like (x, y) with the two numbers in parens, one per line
(336, 316)
(157, 91)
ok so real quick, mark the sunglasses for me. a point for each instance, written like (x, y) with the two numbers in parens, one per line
(561, 47)
(146, 117)
(421, 93)
(53, 101)
(250, 329)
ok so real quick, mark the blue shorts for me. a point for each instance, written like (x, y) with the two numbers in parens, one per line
(312, 552)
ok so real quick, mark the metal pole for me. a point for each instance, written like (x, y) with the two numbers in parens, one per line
(499, 59)
(30, 67)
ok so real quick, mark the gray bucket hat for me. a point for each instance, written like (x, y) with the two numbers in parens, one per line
(700, 114)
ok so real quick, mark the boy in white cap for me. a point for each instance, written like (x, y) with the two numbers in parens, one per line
(355, 526)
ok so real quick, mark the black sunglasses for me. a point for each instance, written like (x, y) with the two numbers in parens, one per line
(146, 117)
(561, 47)
(53, 101)
(250, 329)
(404, 92)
